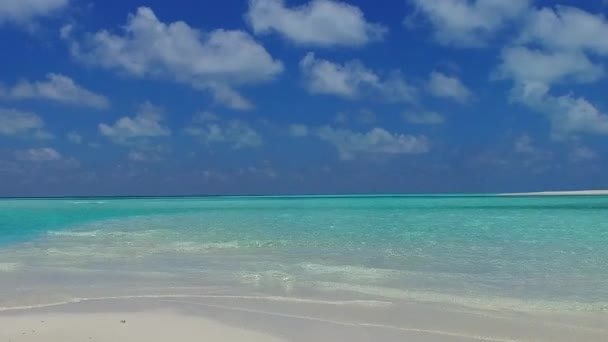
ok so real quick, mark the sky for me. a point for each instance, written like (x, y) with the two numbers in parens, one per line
(196, 97)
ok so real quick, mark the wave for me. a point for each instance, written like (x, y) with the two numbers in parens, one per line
(366, 303)
(350, 271)
(74, 233)
(477, 302)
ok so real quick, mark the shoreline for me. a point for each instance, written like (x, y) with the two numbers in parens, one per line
(559, 193)
(237, 319)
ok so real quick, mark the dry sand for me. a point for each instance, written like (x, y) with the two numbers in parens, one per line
(120, 326)
(233, 319)
(559, 193)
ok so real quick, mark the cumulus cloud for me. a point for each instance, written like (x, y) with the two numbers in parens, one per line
(147, 123)
(352, 80)
(322, 23)
(210, 129)
(468, 23)
(18, 123)
(352, 144)
(554, 48)
(568, 114)
(23, 11)
(215, 61)
(555, 45)
(56, 87)
(441, 85)
(528, 65)
(44, 154)
(567, 28)
(423, 117)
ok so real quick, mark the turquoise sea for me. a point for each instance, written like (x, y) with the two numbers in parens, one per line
(548, 253)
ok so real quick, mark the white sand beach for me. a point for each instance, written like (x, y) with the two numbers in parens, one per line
(559, 193)
(233, 319)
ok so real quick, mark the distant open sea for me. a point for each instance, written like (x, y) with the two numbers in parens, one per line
(537, 253)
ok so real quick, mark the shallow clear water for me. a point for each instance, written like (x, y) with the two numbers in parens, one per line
(536, 252)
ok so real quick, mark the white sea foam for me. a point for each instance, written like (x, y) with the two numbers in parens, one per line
(10, 266)
(368, 303)
(74, 233)
(270, 278)
(192, 246)
(350, 271)
(478, 302)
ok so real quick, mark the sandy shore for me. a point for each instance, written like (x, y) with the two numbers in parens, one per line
(122, 326)
(559, 193)
(234, 319)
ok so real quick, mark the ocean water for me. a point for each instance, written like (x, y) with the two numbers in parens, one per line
(525, 253)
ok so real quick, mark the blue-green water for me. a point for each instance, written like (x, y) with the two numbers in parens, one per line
(537, 252)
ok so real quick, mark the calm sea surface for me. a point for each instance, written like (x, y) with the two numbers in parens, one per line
(515, 252)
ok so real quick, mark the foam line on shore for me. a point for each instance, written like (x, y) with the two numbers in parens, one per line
(368, 303)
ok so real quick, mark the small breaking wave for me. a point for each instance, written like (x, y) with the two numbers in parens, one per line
(356, 302)
(349, 271)
(74, 233)
(477, 302)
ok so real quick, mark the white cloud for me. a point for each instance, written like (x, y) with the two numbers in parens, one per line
(215, 61)
(441, 85)
(23, 11)
(352, 80)
(18, 123)
(423, 117)
(211, 130)
(571, 114)
(469, 23)
(567, 28)
(147, 123)
(58, 88)
(43, 154)
(526, 65)
(298, 130)
(555, 45)
(568, 114)
(322, 23)
(376, 141)
(558, 46)
(74, 137)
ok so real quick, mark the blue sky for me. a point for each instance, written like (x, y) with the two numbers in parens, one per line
(286, 96)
